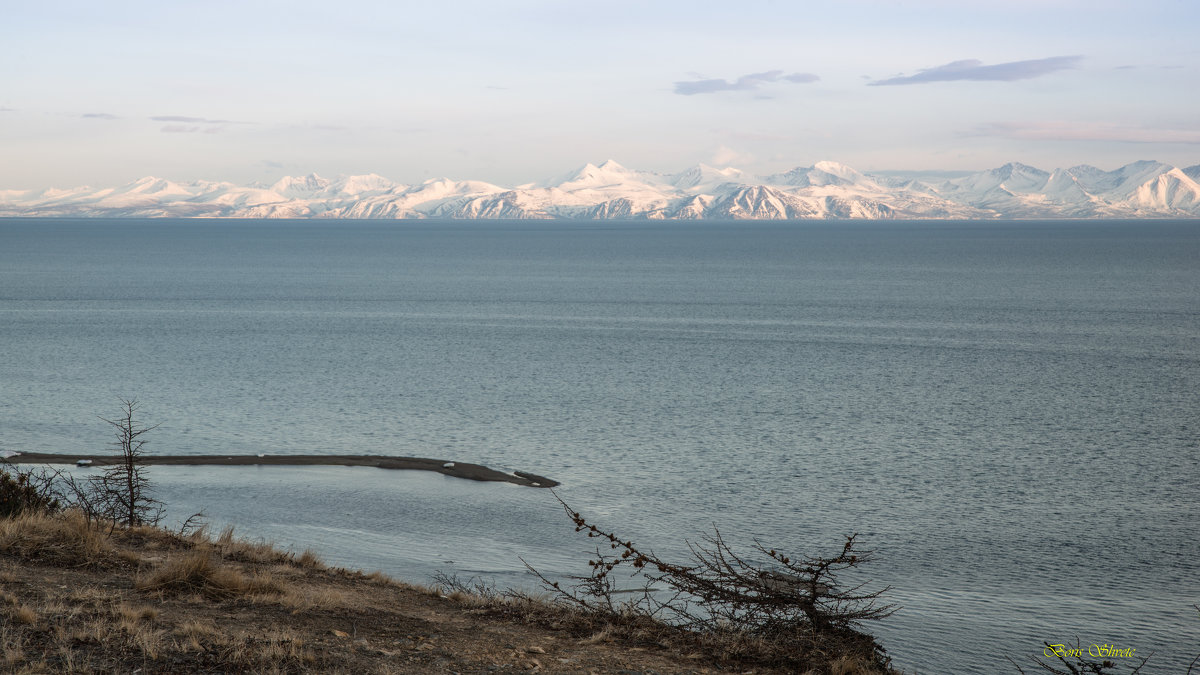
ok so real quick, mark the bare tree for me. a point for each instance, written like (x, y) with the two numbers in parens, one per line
(122, 491)
(794, 602)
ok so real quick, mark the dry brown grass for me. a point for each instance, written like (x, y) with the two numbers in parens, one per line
(65, 538)
(198, 571)
(66, 632)
(110, 626)
(281, 648)
(135, 615)
(309, 560)
(304, 599)
(243, 550)
(86, 597)
(22, 615)
(12, 650)
(198, 629)
(380, 578)
(13, 610)
(830, 655)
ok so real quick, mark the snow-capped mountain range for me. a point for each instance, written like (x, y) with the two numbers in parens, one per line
(826, 190)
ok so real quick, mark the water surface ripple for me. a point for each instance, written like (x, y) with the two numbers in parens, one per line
(1007, 412)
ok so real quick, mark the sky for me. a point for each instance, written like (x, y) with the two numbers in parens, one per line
(517, 91)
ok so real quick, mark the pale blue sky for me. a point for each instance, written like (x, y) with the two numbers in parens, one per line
(102, 93)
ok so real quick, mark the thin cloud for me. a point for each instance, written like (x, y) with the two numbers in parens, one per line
(1133, 67)
(99, 116)
(4, 109)
(184, 124)
(189, 120)
(1075, 131)
(973, 69)
(744, 83)
(183, 129)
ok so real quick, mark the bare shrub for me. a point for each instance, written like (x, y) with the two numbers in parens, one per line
(782, 608)
(23, 490)
(450, 585)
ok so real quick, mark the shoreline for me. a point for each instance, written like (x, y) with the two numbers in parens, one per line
(476, 472)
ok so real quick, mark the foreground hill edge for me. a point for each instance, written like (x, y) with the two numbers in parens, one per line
(87, 596)
(610, 191)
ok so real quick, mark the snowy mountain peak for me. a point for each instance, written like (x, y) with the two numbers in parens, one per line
(836, 169)
(824, 173)
(357, 185)
(606, 168)
(611, 165)
(827, 189)
(435, 188)
(1120, 181)
(1142, 165)
(150, 186)
(705, 175)
(608, 174)
(1014, 168)
(293, 186)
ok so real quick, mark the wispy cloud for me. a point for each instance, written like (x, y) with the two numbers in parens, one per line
(4, 109)
(973, 69)
(744, 83)
(99, 116)
(189, 120)
(185, 124)
(1087, 131)
(1133, 67)
(184, 129)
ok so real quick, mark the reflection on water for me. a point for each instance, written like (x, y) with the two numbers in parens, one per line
(409, 524)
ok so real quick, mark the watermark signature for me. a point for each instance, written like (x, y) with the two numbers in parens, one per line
(1094, 650)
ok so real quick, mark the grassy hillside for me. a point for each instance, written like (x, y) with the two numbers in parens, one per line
(79, 596)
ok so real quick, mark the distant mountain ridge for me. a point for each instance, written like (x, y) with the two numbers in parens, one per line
(825, 190)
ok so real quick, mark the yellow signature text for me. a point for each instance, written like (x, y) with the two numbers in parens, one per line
(1111, 651)
(1094, 650)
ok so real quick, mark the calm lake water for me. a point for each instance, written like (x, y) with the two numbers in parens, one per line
(1008, 413)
